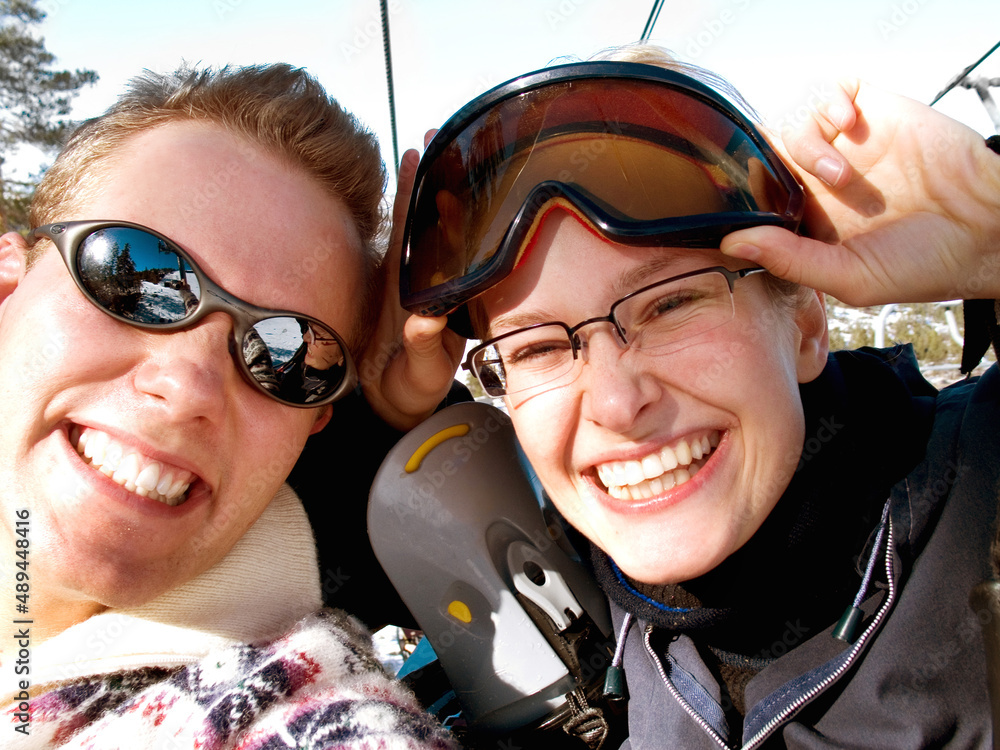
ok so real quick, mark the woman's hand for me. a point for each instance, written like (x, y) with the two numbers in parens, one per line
(903, 205)
(409, 365)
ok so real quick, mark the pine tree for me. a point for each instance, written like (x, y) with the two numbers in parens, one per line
(125, 266)
(34, 100)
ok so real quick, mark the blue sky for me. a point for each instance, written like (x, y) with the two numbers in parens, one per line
(780, 53)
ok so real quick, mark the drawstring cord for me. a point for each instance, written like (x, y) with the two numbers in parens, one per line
(614, 684)
(847, 628)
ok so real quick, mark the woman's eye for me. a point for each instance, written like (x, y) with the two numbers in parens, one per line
(671, 303)
(666, 304)
(537, 351)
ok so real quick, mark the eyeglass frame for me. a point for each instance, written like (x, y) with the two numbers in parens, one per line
(68, 236)
(571, 331)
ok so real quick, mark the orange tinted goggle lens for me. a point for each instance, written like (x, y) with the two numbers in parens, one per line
(646, 160)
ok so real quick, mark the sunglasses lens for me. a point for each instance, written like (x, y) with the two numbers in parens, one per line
(295, 359)
(136, 275)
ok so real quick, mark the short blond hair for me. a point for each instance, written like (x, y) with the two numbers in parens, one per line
(279, 108)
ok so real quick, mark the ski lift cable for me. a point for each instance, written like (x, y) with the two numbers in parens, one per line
(958, 79)
(651, 22)
(388, 74)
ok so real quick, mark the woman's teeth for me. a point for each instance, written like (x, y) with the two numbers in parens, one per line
(658, 472)
(131, 470)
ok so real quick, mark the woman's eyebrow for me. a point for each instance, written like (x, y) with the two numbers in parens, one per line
(514, 320)
(630, 280)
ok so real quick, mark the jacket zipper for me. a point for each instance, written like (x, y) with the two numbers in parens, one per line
(680, 698)
(858, 645)
(806, 697)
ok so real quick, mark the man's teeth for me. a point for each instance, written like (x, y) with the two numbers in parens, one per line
(657, 472)
(132, 470)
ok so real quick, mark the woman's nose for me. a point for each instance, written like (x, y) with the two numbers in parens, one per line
(191, 372)
(615, 384)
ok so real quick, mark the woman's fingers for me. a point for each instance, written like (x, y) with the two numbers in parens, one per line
(811, 147)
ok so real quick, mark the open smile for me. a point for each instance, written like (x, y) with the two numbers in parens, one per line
(130, 469)
(658, 472)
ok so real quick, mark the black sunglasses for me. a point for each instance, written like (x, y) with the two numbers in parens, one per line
(142, 278)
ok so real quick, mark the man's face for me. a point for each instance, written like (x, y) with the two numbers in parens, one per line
(70, 374)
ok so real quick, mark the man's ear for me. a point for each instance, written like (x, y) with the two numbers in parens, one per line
(814, 344)
(13, 262)
(323, 419)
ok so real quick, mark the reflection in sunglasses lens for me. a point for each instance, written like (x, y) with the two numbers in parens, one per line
(281, 336)
(285, 357)
(135, 275)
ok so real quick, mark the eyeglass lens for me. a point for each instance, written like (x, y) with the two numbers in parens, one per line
(137, 276)
(659, 319)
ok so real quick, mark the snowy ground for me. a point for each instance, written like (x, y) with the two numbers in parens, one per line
(881, 324)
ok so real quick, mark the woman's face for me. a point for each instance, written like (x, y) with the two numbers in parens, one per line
(602, 444)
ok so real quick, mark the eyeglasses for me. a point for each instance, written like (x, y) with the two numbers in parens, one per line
(142, 278)
(312, 336)
(658, 318)
(650, 156)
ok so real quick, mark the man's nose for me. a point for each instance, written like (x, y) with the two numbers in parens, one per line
(191, 372)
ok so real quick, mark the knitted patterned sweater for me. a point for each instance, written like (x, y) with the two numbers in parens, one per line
(237, 658)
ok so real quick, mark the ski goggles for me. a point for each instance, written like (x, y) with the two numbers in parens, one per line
(649, 156)
(142, 278)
